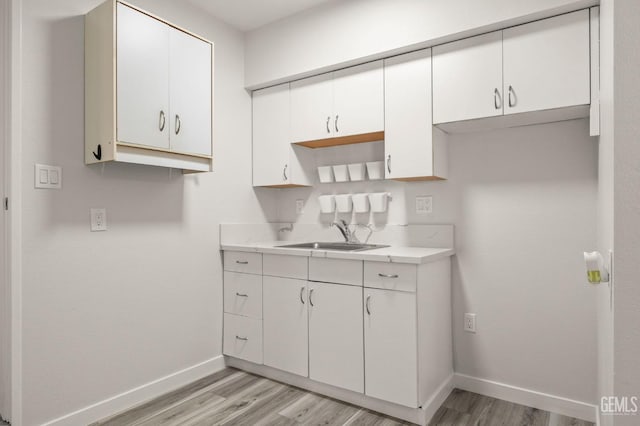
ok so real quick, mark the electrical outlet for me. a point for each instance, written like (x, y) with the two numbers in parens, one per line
(299, 206)
(98, 220)
(424, 204)
(470, 322)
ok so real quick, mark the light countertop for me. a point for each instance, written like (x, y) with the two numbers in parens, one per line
(416, 255)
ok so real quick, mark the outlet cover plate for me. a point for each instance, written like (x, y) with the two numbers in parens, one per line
(299, 206)
(98, 220)
(424, 204)
(470, 322)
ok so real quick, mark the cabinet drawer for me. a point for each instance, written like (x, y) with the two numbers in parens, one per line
(238, 261)
(243, 338)
(243, 294)
(341, 271)
(278, 265)
(390, 276)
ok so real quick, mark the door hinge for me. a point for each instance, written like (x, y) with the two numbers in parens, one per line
(6, 203)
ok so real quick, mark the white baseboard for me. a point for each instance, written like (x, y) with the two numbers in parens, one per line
(539, 400)
(132, 397)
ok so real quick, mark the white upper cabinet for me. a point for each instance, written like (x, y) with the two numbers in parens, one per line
(546, 64)
(190, 93)
(467, 78)
(344, 103)
(412, 150)
(143, 79)
(148, 90)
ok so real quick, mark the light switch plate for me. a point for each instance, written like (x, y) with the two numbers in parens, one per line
(424, 204)
(98, 220)
(48, 177)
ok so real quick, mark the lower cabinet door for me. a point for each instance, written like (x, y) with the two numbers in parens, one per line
(390, 346)
(335, 335)
(284, 306)
(243, 338)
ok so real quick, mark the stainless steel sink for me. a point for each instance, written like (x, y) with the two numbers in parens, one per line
(339, 246)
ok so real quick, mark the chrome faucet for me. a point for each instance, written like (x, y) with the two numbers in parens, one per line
(343, 227)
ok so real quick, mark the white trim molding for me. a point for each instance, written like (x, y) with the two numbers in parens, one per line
(136, 396)
(542, 401)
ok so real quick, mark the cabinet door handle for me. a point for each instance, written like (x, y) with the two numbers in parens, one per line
(311, 297)
(162, 121)
(389, 163)
(301, 298)
(284, 172)
(515, 98)
(367, 305)
(177, 124)
(242, 338)
(336, 123)
(242, 262)
(241, 295)
(497, 101)
(328, 129)
(388, 275)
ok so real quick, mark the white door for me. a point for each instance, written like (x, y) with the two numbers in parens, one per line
(408, 144)
(190, 93)
(5, 301)
(285, 334)
(390, 346)
(271, 143)
(335, 335)
(358, 100)
(546, 64)
(312, 108)
(142, 79)
(467, 78)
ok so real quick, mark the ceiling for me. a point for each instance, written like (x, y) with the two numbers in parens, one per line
(247, 15)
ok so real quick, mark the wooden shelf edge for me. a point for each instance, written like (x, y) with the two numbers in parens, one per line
(285, 185)
(419, 179)
(343, 140)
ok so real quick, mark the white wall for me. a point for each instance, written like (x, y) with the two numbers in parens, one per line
(342, 33)
(106, 312)
(627, 204)
(523, 202)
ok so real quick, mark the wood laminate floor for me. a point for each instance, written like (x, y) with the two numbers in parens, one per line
(233, 397)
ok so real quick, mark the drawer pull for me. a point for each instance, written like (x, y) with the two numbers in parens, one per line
(241, 295)
(244, 339)
(242, 262)
(388, 275)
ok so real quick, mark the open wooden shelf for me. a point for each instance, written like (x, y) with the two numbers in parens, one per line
(343, 140)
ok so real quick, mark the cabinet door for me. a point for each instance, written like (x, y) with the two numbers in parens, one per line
(408, 144)
(284, 311)
(142, 79)
(358, 100)
(391, 371)
(311, 108)
(467, 78)
(335, 335)
(546, 63)
(271, 143)
(190, 93)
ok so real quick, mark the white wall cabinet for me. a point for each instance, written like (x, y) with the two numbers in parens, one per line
(414, 149)
(148, 90)
(345, 103)
(539, 66)
(277, 163)
(335, 335)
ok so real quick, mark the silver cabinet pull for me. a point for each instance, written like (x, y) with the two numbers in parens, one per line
(388, 275)
(389, 163)
(367, 305)
(177, 124)
(242, 338)
(242, 262)
(311, 297)
(328, 119)
(284, 172)
(162, 121)
(497, 101)
(241, 295)
(301, 298)
(515, 99)
(336, 124)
